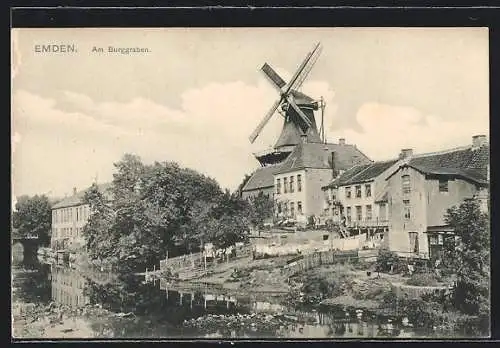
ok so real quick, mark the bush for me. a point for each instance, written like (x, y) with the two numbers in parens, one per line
(424, 279)
(387, 259)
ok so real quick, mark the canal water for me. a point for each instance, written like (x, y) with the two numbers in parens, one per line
(153, 310)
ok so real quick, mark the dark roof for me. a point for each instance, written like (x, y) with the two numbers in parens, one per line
(475, 175)
(466, 163)
(318, 155)
(77, 199)
(362, 173)
(301, 98)
(461, 158)
(263, 177)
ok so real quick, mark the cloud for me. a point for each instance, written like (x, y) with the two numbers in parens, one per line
(67, 139)
(386, 129)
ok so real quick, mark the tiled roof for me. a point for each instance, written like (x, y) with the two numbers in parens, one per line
(462, 158)
(468, 163)
(263, 177)
(317, 155)
(77, 198)
(362, 173)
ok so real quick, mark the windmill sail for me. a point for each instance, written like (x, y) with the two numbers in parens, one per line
(273, 76)
(288, 93)
(291, 84)
(264, 121)
(307, 69)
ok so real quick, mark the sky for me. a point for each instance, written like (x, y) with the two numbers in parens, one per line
(198, 94)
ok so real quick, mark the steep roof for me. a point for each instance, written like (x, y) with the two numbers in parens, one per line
(362, 173)
(263, 177)
(466, 163)
(77, 199)
(317, 155)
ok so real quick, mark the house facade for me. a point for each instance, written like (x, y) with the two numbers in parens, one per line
(421, 190)
(69, 217)
(299, 180)
(295, 184)
(354, 199)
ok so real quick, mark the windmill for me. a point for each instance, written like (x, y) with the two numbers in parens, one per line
(298, 108)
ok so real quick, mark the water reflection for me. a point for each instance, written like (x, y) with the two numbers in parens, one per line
(160, 310)
(68, 287)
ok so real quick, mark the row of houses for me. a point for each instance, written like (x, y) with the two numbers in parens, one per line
(401, 201)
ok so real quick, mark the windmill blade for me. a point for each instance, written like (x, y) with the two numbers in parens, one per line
(300, 112)
(301, 67)
(307, 69)
(264, 121)
(273, 76)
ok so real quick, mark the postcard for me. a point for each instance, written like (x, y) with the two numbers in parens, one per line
(250, 183)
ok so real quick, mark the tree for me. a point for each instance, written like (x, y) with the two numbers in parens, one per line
(98, 233)
(33, 215)
(227, 222)
(261, 209)
(470, 257)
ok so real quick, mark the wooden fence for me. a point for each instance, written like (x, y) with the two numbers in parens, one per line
(319, 258)
(411, 291)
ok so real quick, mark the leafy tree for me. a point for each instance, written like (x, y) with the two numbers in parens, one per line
(470, 257)
(98, 233)
(227, 221)
(261, 209)
(33, 215)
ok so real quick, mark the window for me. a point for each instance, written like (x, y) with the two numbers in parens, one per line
(436, 239)
(285, 208)
(292, 209)
(368, 212)
(359, 213)
(291, 184)
(443, 185)
(299, 207)
(299, 182)
(405, 179)
(348, 192)
(368, 190)
(285, 183)
(279, 207)
(77, 215)
(348, 215)
(406, 209)
(278, 186)
(358, 191)
(414, 242)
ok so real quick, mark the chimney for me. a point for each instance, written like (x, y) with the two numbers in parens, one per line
(334, 174)
(74, 191)
(405, 153)
(342, 141)
(478, 141)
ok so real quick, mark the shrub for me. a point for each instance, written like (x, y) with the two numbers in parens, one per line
(386, 259)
